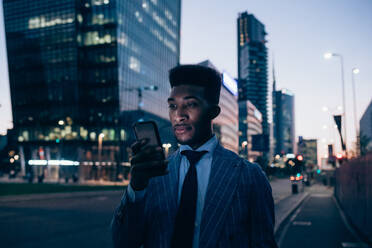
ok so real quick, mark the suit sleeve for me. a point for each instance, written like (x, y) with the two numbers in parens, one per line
(128, 222)
(262, 216)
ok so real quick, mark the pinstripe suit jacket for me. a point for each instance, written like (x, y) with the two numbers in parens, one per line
(238, 209)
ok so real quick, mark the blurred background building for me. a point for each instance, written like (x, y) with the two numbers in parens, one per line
(250, 121)
(284, 122)
(252, 69)
(366, 130)
(225, 126)
(308, 148)
(81, 71)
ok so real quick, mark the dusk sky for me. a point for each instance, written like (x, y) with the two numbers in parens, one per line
(299, 33)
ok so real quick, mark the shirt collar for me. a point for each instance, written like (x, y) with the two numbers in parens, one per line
(208, 146)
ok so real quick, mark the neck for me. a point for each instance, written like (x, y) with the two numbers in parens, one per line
(200, 142)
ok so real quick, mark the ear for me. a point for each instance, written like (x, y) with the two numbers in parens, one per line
(214, 111)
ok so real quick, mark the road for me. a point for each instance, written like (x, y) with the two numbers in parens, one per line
(71, 221)
(65, 222)
(319, 223)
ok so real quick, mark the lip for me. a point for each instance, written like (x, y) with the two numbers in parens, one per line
(181, 129)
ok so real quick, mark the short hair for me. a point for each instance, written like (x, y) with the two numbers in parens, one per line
(198, 75)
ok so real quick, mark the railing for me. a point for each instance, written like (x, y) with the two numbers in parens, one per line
(353, 191)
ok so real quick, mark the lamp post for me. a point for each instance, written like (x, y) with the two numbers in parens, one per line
(166, 147)
(100, 138)
(329, 56)
(353, 72)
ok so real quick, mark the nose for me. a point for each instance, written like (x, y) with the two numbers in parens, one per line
(180, 115)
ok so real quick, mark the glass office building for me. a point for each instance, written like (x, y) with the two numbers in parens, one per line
(284, 122)
(252, 66)
(78, 69)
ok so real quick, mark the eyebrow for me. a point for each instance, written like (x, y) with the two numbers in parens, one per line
(185, 98)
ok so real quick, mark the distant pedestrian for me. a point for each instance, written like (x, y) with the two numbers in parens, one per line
(206, 195)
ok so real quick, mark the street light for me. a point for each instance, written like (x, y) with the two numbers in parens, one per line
(166, 147)
(355, 71)
(329, 55)
(100, 138)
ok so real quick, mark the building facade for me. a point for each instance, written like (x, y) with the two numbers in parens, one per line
(225, 126)
(250, 119)
(366, 130)
(308, 148)
(252, 66)
(78, 69)
(284, 122)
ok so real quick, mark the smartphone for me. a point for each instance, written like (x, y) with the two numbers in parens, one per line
(148, 130)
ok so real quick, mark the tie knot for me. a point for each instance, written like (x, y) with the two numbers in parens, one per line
(193, 156)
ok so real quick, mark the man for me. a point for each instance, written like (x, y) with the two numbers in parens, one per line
(204, 195)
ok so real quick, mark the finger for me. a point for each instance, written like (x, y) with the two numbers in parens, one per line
(148, 153)
(148, 166)
(144, 158)
(136, 146)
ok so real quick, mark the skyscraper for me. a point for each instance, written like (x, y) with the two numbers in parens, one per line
(252, 66)
(284, 122)
(77, 69)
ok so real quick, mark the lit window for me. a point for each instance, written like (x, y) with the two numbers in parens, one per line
(138, 16)
(92, 136)
(134, 64)
(145, 5)
(123, 39)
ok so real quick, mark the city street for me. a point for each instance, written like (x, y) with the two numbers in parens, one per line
(83, 219)
(318, 222)
(74, 220)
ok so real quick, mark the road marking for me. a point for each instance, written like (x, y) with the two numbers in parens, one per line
(301, 223)
(353, 245)
(292, 218)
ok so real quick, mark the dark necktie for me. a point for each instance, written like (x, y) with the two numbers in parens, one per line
(183, 233)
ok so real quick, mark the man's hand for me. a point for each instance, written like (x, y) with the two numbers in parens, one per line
(147, 162)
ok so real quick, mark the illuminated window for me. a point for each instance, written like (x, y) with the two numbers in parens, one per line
(138, 16)
(134, 64)
(123, 39)
(92, 136)
(145, 6)
(43, 22)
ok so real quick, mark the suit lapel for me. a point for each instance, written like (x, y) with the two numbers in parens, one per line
(221, 187)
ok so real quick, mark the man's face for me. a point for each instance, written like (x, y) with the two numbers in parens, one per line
(188, 113)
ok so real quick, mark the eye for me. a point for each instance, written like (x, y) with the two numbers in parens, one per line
(192, 104)
(172, 106)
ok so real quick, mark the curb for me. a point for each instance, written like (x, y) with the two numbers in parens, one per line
(281, 220)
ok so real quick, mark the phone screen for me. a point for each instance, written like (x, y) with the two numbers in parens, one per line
(147, 130)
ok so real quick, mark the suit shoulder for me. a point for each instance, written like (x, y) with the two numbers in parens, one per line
(226, 153)
(253, 172)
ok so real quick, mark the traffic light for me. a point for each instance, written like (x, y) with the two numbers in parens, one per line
(340, 158)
